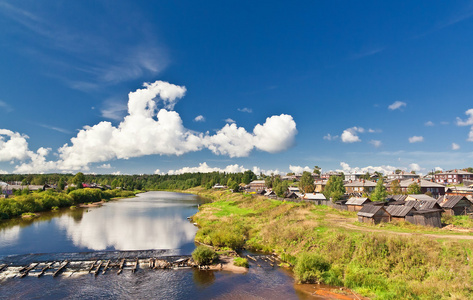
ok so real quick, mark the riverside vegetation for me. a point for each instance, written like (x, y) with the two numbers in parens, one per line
(31, 202)
(381, 265)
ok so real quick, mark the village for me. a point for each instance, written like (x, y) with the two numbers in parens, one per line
(420, 200)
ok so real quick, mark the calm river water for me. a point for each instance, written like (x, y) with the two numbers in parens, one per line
(153, 220)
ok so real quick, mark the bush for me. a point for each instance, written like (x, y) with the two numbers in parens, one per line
(204, 255)
(241, 262)
(310, 267)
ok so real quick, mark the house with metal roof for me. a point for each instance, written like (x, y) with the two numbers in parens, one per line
(453, 176)
(359, 187)
(435, 189)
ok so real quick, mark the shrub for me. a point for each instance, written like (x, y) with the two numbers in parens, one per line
(310, 267)
(241, 262)
(204, 255)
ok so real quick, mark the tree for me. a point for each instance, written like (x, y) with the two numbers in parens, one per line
(268, 181)
(317, 170)
(334, 188)
(78, 179)
(395, 187)
(61, 184)
(414, 188)
(306, 184)
(280, 188)
(248, 177)
(398, 171)
(379, 193)
(367, 176)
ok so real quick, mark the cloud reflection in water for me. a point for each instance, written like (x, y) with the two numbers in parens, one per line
(141, 223)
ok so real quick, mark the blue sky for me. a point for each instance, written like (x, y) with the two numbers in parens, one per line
(345, 85)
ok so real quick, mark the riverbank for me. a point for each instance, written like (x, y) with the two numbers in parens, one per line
(316, 242)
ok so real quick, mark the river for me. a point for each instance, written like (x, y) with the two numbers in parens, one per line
(152, 220)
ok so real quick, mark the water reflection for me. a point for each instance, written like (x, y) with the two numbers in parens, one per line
(153, 220)
(203, 278)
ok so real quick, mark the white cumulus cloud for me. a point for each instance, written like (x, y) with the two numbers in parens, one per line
(350, 135)
(414, 167)
(385, 169)
(142, 132)
(397, 105)
(455, 146)
(299, 169)
(416, 139)
(13, 145)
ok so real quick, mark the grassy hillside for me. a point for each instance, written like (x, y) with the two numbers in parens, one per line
(315, 240)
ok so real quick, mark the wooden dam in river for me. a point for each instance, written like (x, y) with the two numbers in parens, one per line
(99, 263)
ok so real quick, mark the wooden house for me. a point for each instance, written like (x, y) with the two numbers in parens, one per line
(373, 214)
(455, 205)
(356, 203)
(428, 217)
(360, 187)
(291, 195)
(401, 212)
(271, 194)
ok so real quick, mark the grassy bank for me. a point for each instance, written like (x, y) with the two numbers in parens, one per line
(375, 264)
(48, 200)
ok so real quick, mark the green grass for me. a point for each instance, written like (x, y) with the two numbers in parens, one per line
(228, 208)
(375, 264)
(241, 262)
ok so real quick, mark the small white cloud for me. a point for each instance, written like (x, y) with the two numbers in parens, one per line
(229, 120)
(397, 105)
(416, 139)
(350, 135)
(199, 118)
(117, 173)
(299, 169)
(246, 109)
(467, 122)
(429, 123)
(455, 146)
(105, 166)
(374, 130)
(158, 172)
(330, 137)
(376, 143)
(444, 123)
(414, 167)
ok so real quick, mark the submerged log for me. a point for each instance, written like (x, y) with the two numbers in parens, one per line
(3, 266)
(133, 270)
(251, 257)
(61, 268)
(92, 266)
(106, 267)
(120, 267)
(27, 270)
(96, 272)
(44, 269)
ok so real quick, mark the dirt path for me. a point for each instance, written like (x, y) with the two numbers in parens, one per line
(346, 223)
